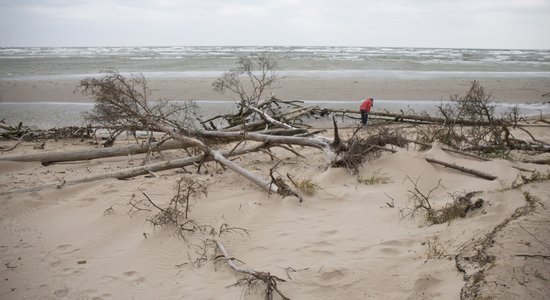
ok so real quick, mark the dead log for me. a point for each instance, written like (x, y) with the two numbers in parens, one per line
(251, 126)
(451, 150)
(515, 146)
(537, 161)
(140, 170)
(400, 117)
(284, 132)
(270, 119)
(7, 127)
(86, 154)
(462, 169)
(315, 142)
(19, 141)
(269, 280)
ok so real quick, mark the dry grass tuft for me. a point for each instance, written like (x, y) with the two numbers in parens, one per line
(376, 177)
(307, 186)
(435, 250)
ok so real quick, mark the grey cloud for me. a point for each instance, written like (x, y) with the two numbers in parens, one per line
(436, 23)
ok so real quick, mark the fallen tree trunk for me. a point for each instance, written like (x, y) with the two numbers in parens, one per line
(251, 126)
(452, 150)
(86, 154)
(316, 142)
(462, 169)
(405, 117)
(140, 170)
(450, 165)
(516, 146)
(270, 119)
(537, 161)
(95, 153)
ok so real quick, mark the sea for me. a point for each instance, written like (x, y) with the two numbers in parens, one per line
(57, 63)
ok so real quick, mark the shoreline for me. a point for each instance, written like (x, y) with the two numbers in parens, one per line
(508, 90)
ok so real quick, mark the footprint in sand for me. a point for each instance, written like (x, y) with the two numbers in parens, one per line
(71, 271)
(426, 282)
(395, 247)
(134, 277)
(66, 249)
(61, 292)
(94, 295)
(88, 199)
(331, 278)
(386, 251)
(55, 264)
(327, 233)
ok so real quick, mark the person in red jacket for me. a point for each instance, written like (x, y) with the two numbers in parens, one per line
(365, 110)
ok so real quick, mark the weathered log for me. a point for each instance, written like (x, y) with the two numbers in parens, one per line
(217, 156)
(140, 170)
(270, 119)
(284, 132)
(269, 280)
(516, 146)
(19, 141)
(315, 142)
(251, 126)
(86, 154)
(7, 127)
(417, 118)
(537, 161)
(451, 150)
(462, 169)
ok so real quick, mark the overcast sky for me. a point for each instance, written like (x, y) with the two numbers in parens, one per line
(413, 23)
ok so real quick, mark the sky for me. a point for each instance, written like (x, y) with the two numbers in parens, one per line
(516, 24)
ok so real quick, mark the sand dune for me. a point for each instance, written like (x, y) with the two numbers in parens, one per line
(344, 242)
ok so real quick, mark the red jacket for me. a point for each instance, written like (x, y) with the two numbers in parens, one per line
(366, 105)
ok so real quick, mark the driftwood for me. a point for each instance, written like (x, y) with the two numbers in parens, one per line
(515, 146)
(15, 132)
(462, 169)
(19, 141)
(269, 280)
(451, 150)
(450, 165)
(86, 154)
(537, 161)
(140, 170)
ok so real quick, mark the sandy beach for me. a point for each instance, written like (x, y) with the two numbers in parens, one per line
(514, 90)
(362, 150)
(348, 240)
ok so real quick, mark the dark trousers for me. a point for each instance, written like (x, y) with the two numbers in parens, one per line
(364, 117)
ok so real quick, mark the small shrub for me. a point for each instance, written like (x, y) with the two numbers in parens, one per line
(176, 213)
(419, 202)
(458, 208)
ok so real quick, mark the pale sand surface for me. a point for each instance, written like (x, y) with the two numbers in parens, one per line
(348, 241)
(300, 88)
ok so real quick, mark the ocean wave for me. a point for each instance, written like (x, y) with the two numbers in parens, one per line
(208, 61)
(373, 74)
